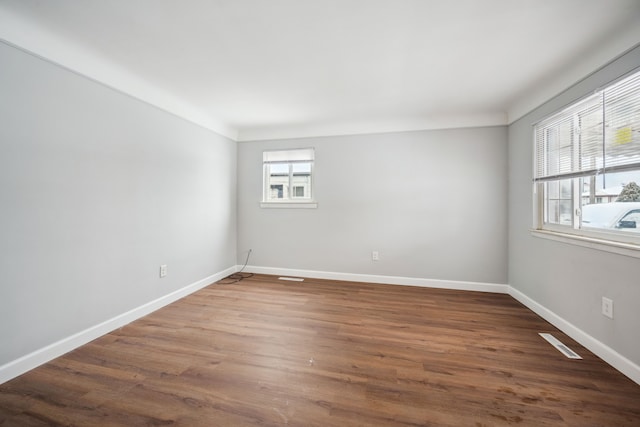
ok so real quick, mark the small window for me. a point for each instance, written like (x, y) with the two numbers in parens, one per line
(288, 178)
(588, 165)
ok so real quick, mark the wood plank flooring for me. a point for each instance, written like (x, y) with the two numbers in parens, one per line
(264, 352)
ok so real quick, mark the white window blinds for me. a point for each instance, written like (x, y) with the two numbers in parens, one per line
(597, 135)
(622, 130)
(289, 156)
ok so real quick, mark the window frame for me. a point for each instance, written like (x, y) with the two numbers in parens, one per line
(611, 240)
(288, 157)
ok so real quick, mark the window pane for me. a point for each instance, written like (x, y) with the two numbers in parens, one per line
(286, 178)
(277, 191)
(302, 168)
(279, 168)
(277, 181)
(609, 199)
(558, 198)
(566, 212)
(301, 180)
(565, 189)
(553, 189)
(553, 212)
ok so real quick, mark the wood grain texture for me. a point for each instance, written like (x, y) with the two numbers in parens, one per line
(264, 352)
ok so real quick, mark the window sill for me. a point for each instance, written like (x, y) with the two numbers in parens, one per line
(627, 249)
(289, 205)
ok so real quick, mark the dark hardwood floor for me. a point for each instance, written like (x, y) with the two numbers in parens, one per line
(323, 353)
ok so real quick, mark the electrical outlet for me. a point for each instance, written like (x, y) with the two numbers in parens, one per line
(375, 256)
(163, 270)
(607, 307)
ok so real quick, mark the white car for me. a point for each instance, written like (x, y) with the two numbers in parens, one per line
(617, 215)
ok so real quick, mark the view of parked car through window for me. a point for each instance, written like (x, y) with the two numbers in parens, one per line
(617, 215)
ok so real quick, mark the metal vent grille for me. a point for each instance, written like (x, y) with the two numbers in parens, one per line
(291, 279)
(560, 347)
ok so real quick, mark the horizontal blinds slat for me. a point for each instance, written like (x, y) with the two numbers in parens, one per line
(584, 173)
(580, 174)
(623, 168)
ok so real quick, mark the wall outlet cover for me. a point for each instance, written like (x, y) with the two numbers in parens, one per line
(607, 307)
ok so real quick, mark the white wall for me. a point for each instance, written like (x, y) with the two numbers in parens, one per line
(433, 203)
(569, 280)
(97, 190)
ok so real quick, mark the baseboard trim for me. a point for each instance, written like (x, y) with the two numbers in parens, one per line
(32, 360)
(387, 280)
(606, 353)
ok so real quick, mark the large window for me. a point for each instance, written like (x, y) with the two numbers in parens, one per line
(288, 178)
(587, 172)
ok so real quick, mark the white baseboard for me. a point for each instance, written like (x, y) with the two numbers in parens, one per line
(619, 362)
(606, 353)
(387, 280)
(32, 360)
(45, 354)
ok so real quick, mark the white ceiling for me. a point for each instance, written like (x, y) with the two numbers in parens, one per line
(257, 69)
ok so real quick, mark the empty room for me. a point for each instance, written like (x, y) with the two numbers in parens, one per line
(320, 213)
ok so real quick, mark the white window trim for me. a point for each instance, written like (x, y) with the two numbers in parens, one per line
(289, 205)
(600, 240)
(627, 249)
(584, 238)
(289, 156)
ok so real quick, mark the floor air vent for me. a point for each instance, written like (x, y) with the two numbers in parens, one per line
(560, 347)
(291, 279)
